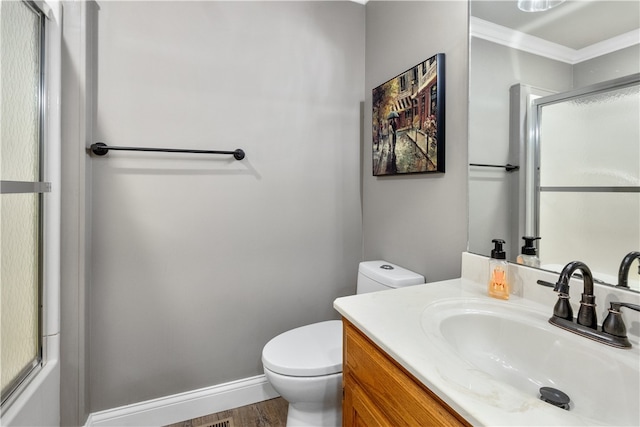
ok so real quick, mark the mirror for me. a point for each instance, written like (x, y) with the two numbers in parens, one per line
(522, 68)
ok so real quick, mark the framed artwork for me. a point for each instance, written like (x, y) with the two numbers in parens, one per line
(408, 121)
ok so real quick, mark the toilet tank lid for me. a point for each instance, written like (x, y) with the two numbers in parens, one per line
(390, 274)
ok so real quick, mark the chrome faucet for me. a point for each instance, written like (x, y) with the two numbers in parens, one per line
(625, 266)
(613, 331)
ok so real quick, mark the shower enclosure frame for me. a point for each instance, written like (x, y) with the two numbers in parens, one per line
(535, 131)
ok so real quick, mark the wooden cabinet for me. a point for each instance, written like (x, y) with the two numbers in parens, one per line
(379, 392)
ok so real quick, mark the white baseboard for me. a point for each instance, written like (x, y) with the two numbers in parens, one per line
(188, 405)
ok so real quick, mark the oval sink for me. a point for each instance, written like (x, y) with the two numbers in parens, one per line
(515, 345)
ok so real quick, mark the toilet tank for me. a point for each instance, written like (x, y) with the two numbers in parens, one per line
(381, 275)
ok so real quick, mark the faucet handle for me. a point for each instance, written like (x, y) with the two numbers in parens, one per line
(547, 284)
(616, 306)
(614, 324)
(562, 309)
(561, 287)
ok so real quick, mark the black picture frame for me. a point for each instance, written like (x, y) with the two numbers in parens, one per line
(408, 121)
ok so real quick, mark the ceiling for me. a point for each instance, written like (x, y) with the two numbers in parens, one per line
(574, 24)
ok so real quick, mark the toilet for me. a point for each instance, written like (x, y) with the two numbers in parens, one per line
(304, 365)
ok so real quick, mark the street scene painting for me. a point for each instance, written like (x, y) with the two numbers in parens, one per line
(408, 121)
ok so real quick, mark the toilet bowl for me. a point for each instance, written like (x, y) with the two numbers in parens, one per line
(304, 365)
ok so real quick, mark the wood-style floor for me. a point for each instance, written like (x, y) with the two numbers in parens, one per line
(270, 413)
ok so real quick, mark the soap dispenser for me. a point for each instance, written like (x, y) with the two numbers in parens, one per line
(498, 272)
(529, 254)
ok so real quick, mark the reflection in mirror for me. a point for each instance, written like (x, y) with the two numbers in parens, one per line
(589, 168)
(517, 58)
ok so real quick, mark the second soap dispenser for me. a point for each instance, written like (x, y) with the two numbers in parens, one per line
(529, 254)
(498, 272)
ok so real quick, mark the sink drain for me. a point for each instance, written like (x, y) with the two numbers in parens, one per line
(555, 397)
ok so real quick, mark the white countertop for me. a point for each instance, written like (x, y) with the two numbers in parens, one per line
(392, 319)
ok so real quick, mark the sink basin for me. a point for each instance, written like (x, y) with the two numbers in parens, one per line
(514, 345)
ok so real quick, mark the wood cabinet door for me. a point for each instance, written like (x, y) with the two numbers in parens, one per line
(380, 392)
(359, 410)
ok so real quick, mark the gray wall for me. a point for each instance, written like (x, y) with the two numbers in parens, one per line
(198, 261)
(418, 221)
(194, 263)
(616, 64)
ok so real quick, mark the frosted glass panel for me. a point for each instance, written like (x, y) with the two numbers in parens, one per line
(20, 107)
(573, 228)
(592, 140)
(19, 291)
(20, 142)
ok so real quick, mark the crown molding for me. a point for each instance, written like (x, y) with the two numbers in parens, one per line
(604, 47)
(518, 40)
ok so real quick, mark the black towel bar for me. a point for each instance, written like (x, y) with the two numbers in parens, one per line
(100, 149)
(507, 167)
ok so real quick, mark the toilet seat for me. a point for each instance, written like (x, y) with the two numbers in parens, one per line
(308, 351)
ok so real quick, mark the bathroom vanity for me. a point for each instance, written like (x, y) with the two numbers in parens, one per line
(379, 391)
(445, 353)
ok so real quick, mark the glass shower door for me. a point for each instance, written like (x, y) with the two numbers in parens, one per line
(589, 177)
(21, 121)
